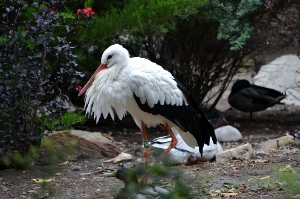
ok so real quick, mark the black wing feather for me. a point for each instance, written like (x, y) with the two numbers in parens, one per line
(186, 117)
(269, 92)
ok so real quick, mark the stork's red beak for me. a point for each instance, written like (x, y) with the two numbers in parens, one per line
(90, 82)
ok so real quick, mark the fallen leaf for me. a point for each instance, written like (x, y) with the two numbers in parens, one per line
(263, 178)
(231, 190)
(4, 188)
(228, 194)
(40, 180)
(287, 168)
(218, 191)
(107, 136)
(243, 188)
(32, 191)
(261, 161)
(120, 158)
(83, 174)
(64, 163)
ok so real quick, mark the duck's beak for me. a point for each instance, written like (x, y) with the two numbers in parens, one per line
(113, 174)
(90, 82)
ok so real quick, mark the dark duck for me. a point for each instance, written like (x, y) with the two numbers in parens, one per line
(133, 189)
(250, 98)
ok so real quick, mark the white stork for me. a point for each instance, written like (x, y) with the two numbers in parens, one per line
(150, 94)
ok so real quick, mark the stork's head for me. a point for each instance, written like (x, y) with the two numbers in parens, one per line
(113, 57)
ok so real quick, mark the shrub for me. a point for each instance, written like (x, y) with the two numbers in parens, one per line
(35, 59)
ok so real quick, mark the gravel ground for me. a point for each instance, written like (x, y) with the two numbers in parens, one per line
(250, 179)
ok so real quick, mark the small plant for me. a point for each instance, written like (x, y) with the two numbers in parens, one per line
(205, 185)
(288, 177)
(20, 161)
(53, 156)
(170, 178)
(65, 122)
(269, 184)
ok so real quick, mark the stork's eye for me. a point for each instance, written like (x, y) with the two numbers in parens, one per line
(109, 57)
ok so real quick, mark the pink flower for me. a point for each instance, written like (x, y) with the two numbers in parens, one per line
(85, 11)
(78, 88)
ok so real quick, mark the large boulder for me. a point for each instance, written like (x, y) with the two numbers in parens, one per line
(66, 146)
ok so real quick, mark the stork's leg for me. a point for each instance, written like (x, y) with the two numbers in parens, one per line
(146, 151)
(173, 143)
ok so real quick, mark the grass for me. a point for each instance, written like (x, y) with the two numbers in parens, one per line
(289, 179)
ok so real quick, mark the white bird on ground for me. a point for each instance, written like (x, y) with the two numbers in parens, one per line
(150, 94)
(182, 153)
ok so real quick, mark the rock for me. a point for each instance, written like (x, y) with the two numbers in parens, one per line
(228, 134)
(66, 146)
(274, 144)
(91, 136)
(243, 152)
(76, 168)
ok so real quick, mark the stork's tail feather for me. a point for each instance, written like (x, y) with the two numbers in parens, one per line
(208, 130)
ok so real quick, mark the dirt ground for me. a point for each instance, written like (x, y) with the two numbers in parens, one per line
(250, 179)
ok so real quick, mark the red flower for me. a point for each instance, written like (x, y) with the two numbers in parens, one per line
(78, 88)
(86, 12)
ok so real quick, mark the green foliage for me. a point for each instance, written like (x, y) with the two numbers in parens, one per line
(65, 122)
(54, 156)
(205, 186)
(88, 3)
(234, 18)
(269, 184)
(141, 16)
(179, 187)
(21, 161)
(289, 179)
